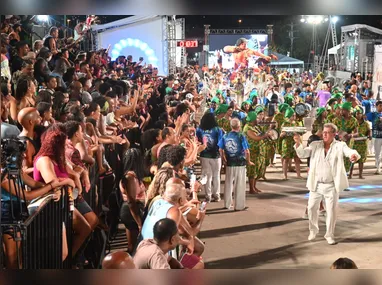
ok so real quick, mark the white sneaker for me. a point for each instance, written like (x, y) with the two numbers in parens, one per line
(331, 241)
(312, 236)
(216, 198)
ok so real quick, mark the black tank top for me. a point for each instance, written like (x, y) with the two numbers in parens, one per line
(46, 42)
(35, 144)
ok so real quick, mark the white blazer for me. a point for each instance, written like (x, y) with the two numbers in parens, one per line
(336, 154)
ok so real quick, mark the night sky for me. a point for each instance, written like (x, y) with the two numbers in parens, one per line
(195, 26)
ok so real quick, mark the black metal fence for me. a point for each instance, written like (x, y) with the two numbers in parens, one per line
(41, 235)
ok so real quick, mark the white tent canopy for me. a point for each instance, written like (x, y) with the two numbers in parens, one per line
(334, 50)
(285, 60)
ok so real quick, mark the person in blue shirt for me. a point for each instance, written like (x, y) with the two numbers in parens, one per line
(234, 150)
(210, 134)
(376, 119)
(368, 103)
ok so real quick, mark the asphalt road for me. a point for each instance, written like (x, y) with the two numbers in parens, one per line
(271, 234)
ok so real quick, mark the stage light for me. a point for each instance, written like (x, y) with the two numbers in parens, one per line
(239, 21)
(303, 20)
(334, 19)
(326, 19)
(123, 43)
(43, 18)
(134, 43)
(118, 46)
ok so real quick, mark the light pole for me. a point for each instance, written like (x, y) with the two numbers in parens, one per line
(314, 21)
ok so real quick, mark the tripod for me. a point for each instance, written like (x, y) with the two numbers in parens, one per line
(14, 210)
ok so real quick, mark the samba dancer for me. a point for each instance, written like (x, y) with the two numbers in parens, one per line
(319, 122)
(360, 146)
(257, 156)
(224, 116)
(348, 127)
(268, 145)
(287, 151)
(279, 118)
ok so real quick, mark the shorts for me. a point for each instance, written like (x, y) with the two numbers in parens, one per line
(6, 212)
(189, 261)
(127, 218)
(83, 207)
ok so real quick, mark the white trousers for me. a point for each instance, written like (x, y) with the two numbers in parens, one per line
(235, 180)
(211, 168)
(370, 146)
(328, 192)
(378, 152)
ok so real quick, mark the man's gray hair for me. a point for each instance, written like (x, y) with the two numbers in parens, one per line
(235, 123)
(173, 192)
(331, 126)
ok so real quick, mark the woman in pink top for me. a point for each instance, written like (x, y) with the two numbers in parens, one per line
(134, 196)
(50, 164)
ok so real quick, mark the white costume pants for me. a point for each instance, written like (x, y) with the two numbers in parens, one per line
(328, 192)
(378, 152)
(211, 168)
(235, 180)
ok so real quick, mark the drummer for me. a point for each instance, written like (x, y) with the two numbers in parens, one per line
(364, 131)
(335, 114)
(288, 152)
(319, 122)
(288, 99)
(279, 118)
(255, 140)
(213, 105)
(338, 96)
(269, 146)
(349, 125)
(224, 116)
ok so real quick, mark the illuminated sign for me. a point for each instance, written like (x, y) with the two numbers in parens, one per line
(187, 44)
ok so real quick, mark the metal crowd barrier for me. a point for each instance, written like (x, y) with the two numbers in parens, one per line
(41, 235)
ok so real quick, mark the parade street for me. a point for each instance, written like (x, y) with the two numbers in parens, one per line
(272, 233)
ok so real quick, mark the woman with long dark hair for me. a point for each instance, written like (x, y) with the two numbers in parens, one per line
(133, 194)
(210, 134)
(25, 96)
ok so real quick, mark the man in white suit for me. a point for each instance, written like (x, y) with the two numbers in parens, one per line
(327, 177)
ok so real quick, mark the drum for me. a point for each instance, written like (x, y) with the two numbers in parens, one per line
(301, 109)
(292, 130)
(273, 134)
(360, 139)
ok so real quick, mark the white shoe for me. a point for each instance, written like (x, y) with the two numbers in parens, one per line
(331, 241)
(215, 198)
(312, 236)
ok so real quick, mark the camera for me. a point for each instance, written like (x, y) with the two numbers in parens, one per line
(12, 151)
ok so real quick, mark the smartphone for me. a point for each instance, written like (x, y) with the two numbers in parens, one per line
(203, 206)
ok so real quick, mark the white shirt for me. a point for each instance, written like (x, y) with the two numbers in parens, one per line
(324, 172)
(335, 158)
